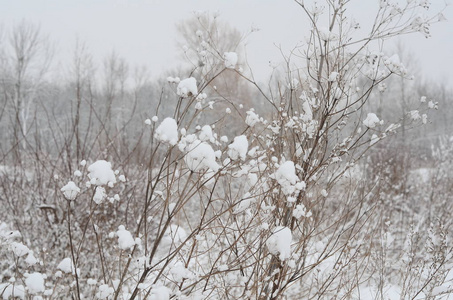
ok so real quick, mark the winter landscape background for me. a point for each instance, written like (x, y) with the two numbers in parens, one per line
(242, 150)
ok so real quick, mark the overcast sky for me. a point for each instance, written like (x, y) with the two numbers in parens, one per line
(143, 31)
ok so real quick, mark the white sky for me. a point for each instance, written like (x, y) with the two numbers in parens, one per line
(143, 31)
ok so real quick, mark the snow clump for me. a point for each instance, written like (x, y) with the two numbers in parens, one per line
(179, 272)
(206, 134)
(238, 148)
(160, 293)
(31, 259)
(6, 234)
(125, 239)
(173, 79)
(252, 118)
(104, 292)
(19, 249)
(279, 243)
(371, 120)
(231, 59)
(99, 195)
(200, 156)
(66, 266)
(287, 178)
(301, 211)
(394, 64)
(8, 290)
(167, 131)
(35, 283)
(187, 87)
(326, 35)
(101, 173)
(333, 76)
(70, 190)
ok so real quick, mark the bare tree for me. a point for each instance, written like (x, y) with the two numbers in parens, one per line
(29, 54)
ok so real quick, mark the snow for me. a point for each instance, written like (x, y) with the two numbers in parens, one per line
(167, 131)
(374, 139)
(175, 234)
(286, 177)
(7, 290)
(394, 64)
(371, 120)
(148, 122)
(279, 243)
(70, 190)
(19, 249)
(231, 59)
(333, 76)
(187, 87)
(244, 204)
(421, 175)
(104, 291)
(99, 195)
(66, 266)
(206, 134)
(35, 283)
(160, 293)
(31, 259)
(125, 239)
(300, 211)
(252, 118)
(414, 115)
(173, 79)
(179, 272)
(200, 156)
(101, 172)
(239, 147)
(326, 35)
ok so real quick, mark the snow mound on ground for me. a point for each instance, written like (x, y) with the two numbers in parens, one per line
(167, 131)
(187, 87)
(279, 243)
(102, 172)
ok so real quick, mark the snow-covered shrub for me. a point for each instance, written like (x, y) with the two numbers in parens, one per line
(279, 206)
